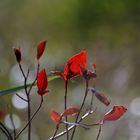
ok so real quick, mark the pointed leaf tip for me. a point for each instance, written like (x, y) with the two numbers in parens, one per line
(40, 49)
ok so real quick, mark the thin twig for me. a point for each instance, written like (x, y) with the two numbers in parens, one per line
(13, 124)
(77, 124)
(21, 97)
(86, 91)
(6, 130)
(65, 106)
(99, 132)
(71, 127)
(31, 118)
(57, 127)
(2, 129)
(33, 83)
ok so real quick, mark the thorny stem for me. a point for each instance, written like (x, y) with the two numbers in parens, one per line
(72, 126)
(31, 118)
(99, 132)
(65, 106)
(86, 91)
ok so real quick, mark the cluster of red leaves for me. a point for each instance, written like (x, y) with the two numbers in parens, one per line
(71, 111)
(76, 65)
(73, 65)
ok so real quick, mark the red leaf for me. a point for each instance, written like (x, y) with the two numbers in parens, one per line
(40, 49)
(102, 98)
(72, 67)
(56, 117)
(2, 114)
(42, 82)
(114, 114)
(70, 111)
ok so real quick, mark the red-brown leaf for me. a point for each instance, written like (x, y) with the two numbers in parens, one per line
(114, 114)
(55, 117)
(70, 111)
(42, 82)
(40, 49)
(102, 98)
(72, 67)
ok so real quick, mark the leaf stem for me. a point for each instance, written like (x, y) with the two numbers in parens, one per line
(57, 127)
(86, 91)
(99, 132)
(65, 106)
(31, 118)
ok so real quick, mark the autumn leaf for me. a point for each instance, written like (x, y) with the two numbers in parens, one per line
(114, 114)
(102, 98)
(70, 111)
(42, 82)
(55, 117)
(72, 67)
(40, 49)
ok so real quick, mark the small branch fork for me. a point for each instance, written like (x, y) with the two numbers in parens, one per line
(28, 91)
(72, 126)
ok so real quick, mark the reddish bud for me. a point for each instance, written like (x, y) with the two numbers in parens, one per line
(102, 98)
(17, 54)
(70, 111)
(114, 114)
(55, 117)
(40, 49)
(42, 82)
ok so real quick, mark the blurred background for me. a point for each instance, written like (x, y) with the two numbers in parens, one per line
(109, 31)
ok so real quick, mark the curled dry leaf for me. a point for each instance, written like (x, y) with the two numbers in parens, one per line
(70, 111)
(114, 114)
(42, 82)
(55, 117)
(102, 98)
(40, 49)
